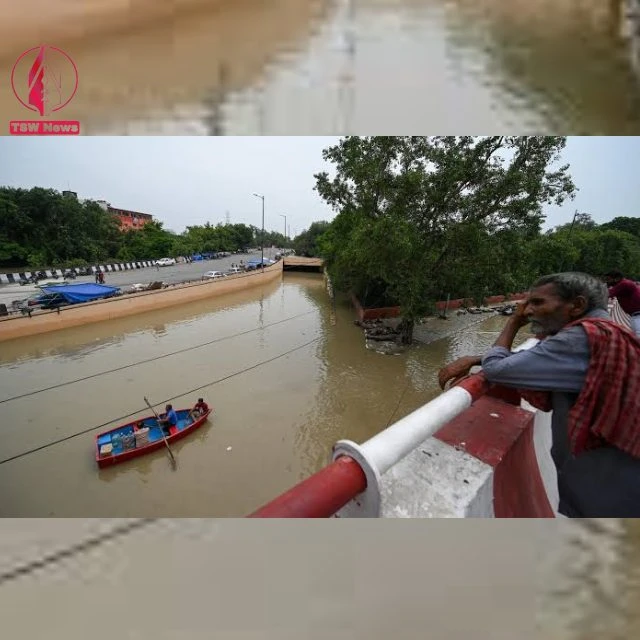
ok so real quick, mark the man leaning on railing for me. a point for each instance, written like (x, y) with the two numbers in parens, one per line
(586, 368)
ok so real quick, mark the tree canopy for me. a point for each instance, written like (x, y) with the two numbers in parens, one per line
(43, 228)
(306, 243)
(422, 217)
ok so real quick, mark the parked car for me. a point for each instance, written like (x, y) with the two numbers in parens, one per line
(165, 262)
(255, 264)
(212, 275)
(233, 270)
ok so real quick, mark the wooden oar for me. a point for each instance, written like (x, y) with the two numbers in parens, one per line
(173, 460)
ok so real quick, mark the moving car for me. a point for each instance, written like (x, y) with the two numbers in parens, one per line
(165, 262)
(213, 275)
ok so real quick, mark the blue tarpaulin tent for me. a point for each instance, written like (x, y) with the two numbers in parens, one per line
(85, 292)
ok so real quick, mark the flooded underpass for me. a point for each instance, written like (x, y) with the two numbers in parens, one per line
(345, 66)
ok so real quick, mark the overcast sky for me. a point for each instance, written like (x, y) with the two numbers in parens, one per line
(189, 181)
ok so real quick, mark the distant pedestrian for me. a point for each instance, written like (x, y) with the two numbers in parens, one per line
(627, 293)
(97, 276)
(101, 277)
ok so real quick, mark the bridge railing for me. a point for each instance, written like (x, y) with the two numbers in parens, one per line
(356, 470)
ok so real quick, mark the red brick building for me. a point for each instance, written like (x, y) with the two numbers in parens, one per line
(130, 219)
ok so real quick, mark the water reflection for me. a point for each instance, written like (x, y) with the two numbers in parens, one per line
(566, 57)
(590, 582)
(177, 73)
(360, 66)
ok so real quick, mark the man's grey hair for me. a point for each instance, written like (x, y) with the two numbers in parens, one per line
(571, 284)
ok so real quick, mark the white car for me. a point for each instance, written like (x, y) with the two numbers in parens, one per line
(213, 275)
(165, 262)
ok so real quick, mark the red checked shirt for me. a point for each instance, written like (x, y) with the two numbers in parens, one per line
(608, 407)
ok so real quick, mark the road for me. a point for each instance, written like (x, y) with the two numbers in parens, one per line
(177, 273)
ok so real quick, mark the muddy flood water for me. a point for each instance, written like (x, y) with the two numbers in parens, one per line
(348, 579)
(286, 374)
(335, 66)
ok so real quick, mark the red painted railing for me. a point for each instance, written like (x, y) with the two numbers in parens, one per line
(327, 491)
(319, 496)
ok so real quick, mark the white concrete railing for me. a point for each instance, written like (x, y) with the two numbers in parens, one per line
(388, 448)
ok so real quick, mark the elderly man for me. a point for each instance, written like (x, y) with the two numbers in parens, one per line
(586, 368)
(627, 293)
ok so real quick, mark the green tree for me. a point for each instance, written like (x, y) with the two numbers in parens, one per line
(629, 225)
(405, 206)
(53, 230)
(306, 243)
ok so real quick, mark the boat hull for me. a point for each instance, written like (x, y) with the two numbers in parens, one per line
(120, 454)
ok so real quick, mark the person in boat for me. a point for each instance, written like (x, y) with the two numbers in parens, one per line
(628, 294)
(199, 409)
(586, 368)
(168, 419)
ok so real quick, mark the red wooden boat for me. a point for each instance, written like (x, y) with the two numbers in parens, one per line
(140, 437)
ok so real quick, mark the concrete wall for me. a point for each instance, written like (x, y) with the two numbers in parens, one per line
(492, 461)
(452, 305)
(302, 261)
(131, 304)
(394, 312)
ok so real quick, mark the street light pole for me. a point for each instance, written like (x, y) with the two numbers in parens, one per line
(282, 215)
(573, 221)
(257, 195)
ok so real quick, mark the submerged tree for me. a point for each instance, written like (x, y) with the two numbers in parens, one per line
(414, 211)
